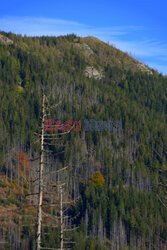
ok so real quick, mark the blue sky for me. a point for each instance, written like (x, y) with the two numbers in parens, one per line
(135, 26)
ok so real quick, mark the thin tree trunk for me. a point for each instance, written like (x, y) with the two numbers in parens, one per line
(61, 218)
(41, 179)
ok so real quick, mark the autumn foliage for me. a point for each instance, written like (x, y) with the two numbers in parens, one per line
(20, 89)
(23, 163)
(97, 179)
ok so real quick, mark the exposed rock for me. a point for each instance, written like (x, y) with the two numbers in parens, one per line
(144, 68)
(5, 40)
(87, 50)
(91, 72)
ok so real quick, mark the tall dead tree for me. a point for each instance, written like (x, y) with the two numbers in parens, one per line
(61, 218)
(41, 178)
(64, 204)
(48, 140)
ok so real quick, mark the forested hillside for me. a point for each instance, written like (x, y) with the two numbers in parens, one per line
(115, 180)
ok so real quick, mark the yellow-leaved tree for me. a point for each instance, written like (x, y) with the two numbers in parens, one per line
(97, 179)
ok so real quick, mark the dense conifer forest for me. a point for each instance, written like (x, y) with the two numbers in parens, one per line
(115, 194)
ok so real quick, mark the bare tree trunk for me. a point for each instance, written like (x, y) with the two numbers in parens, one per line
(41, 179)
(61, 218)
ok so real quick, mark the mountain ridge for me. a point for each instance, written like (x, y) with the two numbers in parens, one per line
(108, 55)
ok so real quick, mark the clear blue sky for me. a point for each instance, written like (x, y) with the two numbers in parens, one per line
(135, 26)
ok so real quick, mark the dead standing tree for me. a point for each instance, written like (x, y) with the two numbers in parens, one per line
(65, 220)
(41, 177)
(46, 140)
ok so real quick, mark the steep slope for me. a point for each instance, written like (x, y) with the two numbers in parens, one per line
(116, 177)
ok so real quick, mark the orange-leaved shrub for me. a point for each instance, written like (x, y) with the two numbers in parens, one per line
(97, 179)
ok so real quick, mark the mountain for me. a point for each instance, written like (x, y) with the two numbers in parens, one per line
(115, 177)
